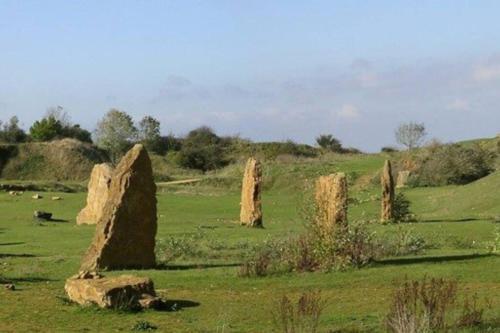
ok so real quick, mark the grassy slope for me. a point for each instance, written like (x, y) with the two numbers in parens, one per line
(40, 258)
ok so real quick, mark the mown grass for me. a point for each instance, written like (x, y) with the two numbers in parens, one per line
(456, 222)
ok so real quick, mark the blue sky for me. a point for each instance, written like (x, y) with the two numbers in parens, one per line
(267, 70)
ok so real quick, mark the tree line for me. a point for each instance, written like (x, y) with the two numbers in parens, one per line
(200, 149)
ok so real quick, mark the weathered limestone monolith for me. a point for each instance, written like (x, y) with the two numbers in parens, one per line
(402, 179)
(98, 188)
(251, 205)
(125, 233)
(387, 192)
(331, 200)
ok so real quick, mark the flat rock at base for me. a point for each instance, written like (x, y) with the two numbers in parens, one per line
(125, 233)
(97, 195)
(120, 292)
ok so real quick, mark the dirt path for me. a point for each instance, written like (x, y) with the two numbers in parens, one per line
(177, 182)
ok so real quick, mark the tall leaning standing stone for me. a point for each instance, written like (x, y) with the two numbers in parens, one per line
(98, 188)
(387, 192)
(332, 201)
(125, 234)
(251, 204)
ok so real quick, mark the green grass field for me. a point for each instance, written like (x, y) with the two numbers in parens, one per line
(457, 222)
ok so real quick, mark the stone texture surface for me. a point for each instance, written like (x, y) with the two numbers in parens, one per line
(251, 205)
(125, 234)
(402, 179)
(98, 188)
(331, 201)
(387, 192)
(124, 291)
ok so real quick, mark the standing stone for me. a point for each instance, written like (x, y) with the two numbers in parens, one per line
(251, 204)
(402, 178)
(98, 188)
(125, 233)
(387, 192)
(331, 201)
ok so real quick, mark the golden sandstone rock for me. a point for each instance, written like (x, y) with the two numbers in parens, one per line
(125, 233)
(402, 179)
(98, 189)
(387, 192)
(331, 201)
(251, 205)
(120, 292)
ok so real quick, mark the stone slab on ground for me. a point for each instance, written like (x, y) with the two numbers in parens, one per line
(120, 292)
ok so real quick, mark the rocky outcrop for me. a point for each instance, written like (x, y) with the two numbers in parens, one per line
(251, 204)
(120, 292)
(331, 201)
(387, 192)
(98, 188)
(125, 233)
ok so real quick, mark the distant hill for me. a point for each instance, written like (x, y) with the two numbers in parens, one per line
(59, 160)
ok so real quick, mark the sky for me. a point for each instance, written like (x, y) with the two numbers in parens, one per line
(264, 70)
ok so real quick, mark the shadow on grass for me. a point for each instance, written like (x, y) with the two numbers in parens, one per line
(14, 255)
(32, 279)
(167, 267)
(469, 219)
(172, 305)
(40, 221)
(12, 243)
(436, 259)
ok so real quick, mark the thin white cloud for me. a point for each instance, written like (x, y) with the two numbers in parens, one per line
(349, 111)
(458, 104)
(487, 72)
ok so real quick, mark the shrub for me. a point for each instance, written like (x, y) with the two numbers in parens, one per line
(453, 164)
(11, 132)
(143, 325)
(472, 314)
(328, 142)
(46, 129)
(401, 209)
(389, 149)
(76, 132)
(421, 306)
(403, 242)
(314, 250)
(202, 149)
(301, 317)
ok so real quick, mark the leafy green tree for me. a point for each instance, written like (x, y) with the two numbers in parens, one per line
(115, 133)
(149, 134)
(46, 129)
(328, 142)
(11, 132)
(202, 149)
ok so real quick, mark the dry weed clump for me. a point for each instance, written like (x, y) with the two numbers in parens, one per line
(421, 306)
(426, 305)
(303, 316)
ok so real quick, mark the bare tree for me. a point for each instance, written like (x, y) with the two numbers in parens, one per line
(410, 134)
(59, 114)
